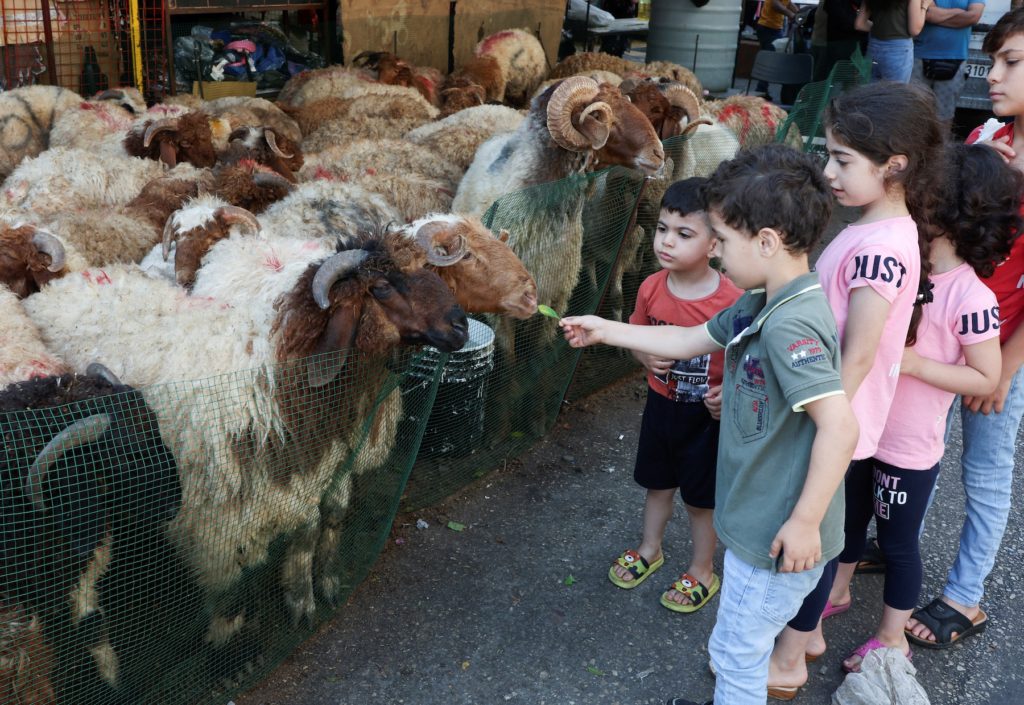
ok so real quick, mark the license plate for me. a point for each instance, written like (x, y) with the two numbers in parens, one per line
(977, 70)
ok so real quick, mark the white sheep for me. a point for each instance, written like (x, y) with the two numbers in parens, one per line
(459, 136)
(26, 117)
(22, 352)
(521, 58)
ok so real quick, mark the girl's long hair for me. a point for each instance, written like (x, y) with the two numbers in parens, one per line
(885, 119)
(982, 211)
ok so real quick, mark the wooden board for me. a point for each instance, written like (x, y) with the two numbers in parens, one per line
(417, 30)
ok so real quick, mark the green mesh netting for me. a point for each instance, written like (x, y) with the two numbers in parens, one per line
(156, 556)
(810, 105)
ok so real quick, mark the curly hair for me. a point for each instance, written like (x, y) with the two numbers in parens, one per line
(981, 215)
(885, 119)
(772, 186)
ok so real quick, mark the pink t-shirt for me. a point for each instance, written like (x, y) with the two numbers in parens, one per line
(963, 313)
(885, 256)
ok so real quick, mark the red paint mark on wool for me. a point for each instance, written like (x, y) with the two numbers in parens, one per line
(103, 279)
(370, 171)
(496, 38)
(323, 173)
(272, 263)
(744, 115)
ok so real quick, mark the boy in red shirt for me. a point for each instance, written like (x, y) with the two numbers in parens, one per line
(678, 442)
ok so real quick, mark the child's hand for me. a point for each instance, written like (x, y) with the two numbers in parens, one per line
(582, 331)
(658, 366)
(800, 546)
(1002, 146)
(713, 402)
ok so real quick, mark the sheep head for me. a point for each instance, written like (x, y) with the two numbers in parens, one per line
(684, 110)
(187, 138)
(266, 146)
(650, 101)
(482, 271)
(250, 185)
(460, 93)
(583, 116)
(197, 228)
(373, 295)
(29, 258)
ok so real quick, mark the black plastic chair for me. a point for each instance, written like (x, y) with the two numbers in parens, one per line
(784, 69)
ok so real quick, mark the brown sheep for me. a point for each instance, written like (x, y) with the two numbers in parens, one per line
(29, 258)
(26, 661)
(589, 61)
(186, 138)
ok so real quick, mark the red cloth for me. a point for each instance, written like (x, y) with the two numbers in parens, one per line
(657, 306)
(1008, 279)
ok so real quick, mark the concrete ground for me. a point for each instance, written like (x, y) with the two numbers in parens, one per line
(518, 608)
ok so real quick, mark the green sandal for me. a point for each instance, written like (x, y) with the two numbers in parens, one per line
(697, 592)
(637, 566)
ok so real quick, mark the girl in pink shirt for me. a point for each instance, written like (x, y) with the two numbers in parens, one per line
(954, 350)
(885, 150)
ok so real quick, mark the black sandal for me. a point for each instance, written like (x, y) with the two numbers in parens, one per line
(872, 560)
(942, 620)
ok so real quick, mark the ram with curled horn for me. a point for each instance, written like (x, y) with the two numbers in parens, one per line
(311, 359)
(88, 491)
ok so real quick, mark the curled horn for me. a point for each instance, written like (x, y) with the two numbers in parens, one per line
(331, 270)
(111, 94)
(79, 433)
(570, 94)
(266, 178)
(271, 138)
(170, 235)
(692, 126)
(602, 112)
(680, 96)
(425, 239)
(97, 369)
(157, 127)
(236, 214)
(49, 245)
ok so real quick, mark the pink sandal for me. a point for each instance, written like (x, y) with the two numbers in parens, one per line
(864, 649)
(832, 610)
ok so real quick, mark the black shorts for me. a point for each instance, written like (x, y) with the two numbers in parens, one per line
(678, 447)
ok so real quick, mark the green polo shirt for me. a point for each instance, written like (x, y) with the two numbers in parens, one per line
(779, 355)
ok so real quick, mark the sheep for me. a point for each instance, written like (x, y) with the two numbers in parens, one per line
(75, 501)
(752, 119)
(481, 271)
(672, 72)
(337, 82)
(31, 257)
(254, 465)
(22, 352)
(521, 58)
(103, 120)
(253, 112)
(26, 117)
(60, 179)
(596, 74)
(576, 64)
(478, 81)
(394, 71)
(26, 660)
(263, 146)
(337, 120)
(458, 136)
(328, 208)
(192, 137)
(385, 156)
(669, 106)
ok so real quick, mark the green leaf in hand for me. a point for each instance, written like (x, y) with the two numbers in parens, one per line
(456, 526)
(548, 311)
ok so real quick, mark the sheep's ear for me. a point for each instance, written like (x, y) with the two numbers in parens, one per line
(332, 347)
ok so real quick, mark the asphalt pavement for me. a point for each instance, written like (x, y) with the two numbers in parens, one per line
(517, 607)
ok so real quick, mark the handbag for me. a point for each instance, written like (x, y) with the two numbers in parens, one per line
(940, 69)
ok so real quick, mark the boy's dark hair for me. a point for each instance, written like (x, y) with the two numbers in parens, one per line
(981, 213)
(683, 197)
(1009, 24)
(772, 186)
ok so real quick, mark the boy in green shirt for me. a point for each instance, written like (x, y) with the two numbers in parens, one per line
(787, 432)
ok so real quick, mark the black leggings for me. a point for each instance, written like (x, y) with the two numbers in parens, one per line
(902, 500)
(898, 499)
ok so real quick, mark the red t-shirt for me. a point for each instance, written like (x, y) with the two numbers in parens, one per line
(688, 380)
(1008, 279)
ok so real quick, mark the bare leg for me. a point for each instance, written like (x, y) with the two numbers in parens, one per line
(840, 594)
(787, 667)
(657, 512)
(702, 566)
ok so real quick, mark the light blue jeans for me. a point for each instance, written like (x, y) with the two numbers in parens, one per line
(753, 608)
(987, 471)
(891, 59)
